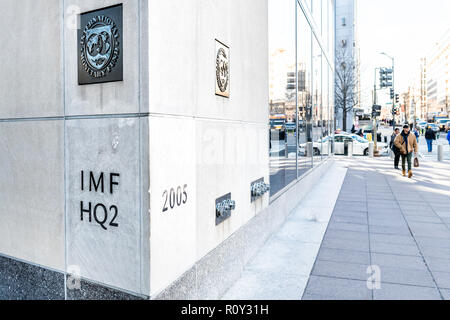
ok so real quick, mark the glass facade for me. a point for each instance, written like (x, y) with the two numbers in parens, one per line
(301, 37)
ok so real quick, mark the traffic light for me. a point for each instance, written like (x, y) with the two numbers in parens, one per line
(376, 111)
(397, 98)
(386, 76)
(392, 94)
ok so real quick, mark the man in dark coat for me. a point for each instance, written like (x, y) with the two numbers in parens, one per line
(406, 142)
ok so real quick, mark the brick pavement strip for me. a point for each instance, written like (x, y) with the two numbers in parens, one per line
(397, 224)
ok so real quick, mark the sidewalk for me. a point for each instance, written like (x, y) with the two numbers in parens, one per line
(281, 268)
(423, 148)
(361, 214)
(385, 220)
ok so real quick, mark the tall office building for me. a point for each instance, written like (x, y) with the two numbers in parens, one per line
(438, 77)
(347, 43)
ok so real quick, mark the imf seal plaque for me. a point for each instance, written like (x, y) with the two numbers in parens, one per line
(100, 56)
(222, 70)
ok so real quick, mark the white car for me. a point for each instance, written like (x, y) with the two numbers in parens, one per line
(360, 146)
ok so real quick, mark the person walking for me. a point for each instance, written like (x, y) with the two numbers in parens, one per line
(394, 149)
(430, 136)
(417, 134)
(448, 137)
(407, 144)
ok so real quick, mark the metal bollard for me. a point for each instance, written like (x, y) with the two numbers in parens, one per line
(350, 149)
(371, 149)
(440, 153)
(310, 149)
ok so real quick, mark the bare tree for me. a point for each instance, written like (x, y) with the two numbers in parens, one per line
(346, 97)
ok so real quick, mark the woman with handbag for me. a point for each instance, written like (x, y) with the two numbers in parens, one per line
(407, 143)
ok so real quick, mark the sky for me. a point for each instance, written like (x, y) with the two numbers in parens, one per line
(406, 30)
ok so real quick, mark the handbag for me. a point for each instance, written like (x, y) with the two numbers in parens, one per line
(416, 162)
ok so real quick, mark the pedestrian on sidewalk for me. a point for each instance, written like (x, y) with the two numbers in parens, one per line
(394, 149)
(417, 134)
(448, 137)
(430, 136)
(407, 143)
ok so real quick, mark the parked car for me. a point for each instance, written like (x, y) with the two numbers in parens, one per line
(434, 127)
(360, 146)
(442, 123)
(422, 125)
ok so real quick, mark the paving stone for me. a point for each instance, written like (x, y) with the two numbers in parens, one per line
(380, 196)
(404, 231)
(348, 227)
(423, 232)
(346, 244)
(389, 205)
(396, 249)
(431, 227)
(392, 238)
(397, 261)
(445, 293)
(340, 270)
(323, 288)
(405, 292)
(407, 276)
(433, 242)
(347, 235)
(438, 264)
(350, 204)
(442, 279)
(387, 222)
(436, 252)
(349, 219)
(339, 207)
(348, 256)
(350, 213)
(417, 212)
(426, 219)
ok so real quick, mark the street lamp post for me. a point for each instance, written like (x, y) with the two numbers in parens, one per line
(393, 88)
(374, 119)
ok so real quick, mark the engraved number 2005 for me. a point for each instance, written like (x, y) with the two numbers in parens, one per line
(174, 198)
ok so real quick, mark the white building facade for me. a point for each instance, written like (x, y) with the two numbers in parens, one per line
(438, 78)
(346, 35)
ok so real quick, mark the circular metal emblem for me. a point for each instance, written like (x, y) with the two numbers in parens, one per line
(100, 46)
(222, 70)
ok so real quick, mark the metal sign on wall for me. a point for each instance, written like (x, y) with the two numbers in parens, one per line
(100, 55)
(222, 70)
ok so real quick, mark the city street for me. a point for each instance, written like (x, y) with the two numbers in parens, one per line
(378, 218)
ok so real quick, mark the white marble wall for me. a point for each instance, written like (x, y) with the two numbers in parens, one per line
(51, 129)
(212, 144)
(32, 152)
